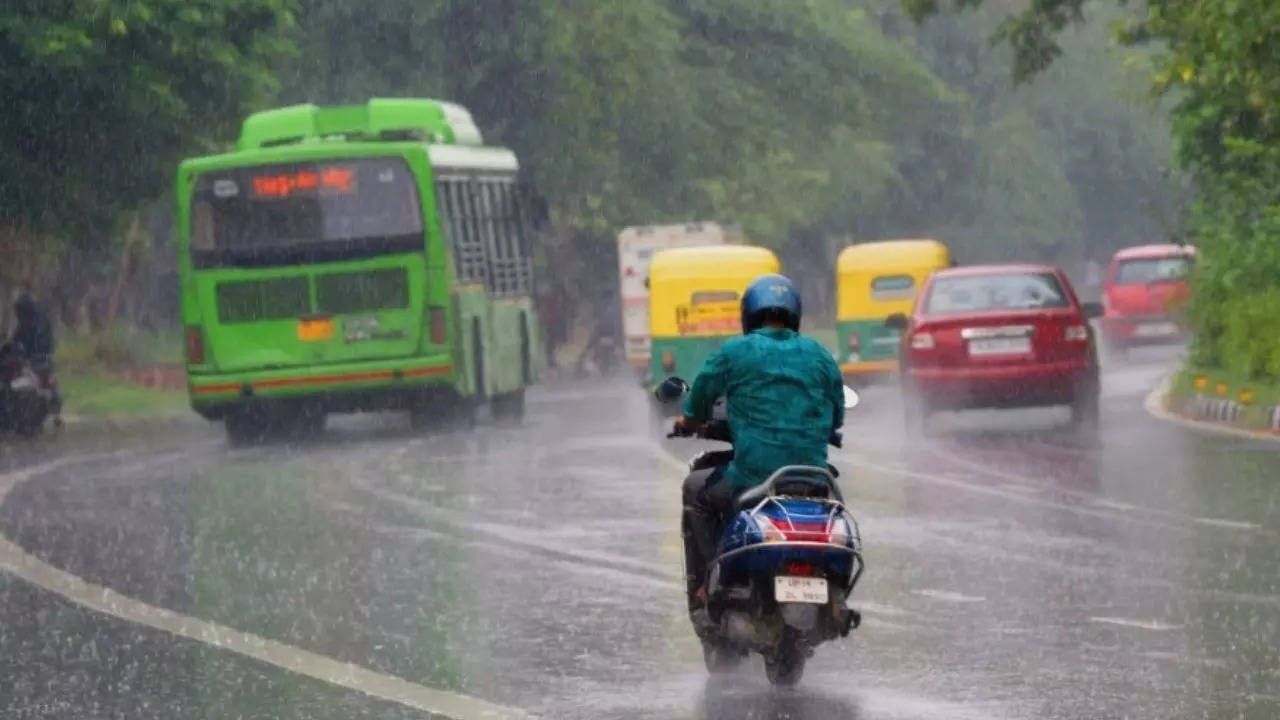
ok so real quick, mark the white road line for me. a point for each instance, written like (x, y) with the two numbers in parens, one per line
(15, 560)
(1225, 523)
(1154, 625)
(948, 596)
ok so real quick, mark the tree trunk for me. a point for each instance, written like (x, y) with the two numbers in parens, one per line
(122, 274)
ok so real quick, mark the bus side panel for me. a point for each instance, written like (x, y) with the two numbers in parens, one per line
(471, 312)
(512, 344)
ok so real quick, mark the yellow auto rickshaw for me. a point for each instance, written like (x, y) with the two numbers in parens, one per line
(874, 281)
(694, 303)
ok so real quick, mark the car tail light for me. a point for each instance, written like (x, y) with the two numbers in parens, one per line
(668, 361)
(922, 341)
(195, 345)
(1077, 333)
(436, 316)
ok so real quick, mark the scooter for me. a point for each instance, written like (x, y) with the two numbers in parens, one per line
(785, 563)
(27, 398)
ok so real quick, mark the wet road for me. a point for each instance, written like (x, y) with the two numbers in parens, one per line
(1013, 572)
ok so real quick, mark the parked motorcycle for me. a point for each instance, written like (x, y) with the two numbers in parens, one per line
(785, 563)
(27, 395)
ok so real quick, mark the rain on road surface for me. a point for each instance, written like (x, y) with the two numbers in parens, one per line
(1011, 572)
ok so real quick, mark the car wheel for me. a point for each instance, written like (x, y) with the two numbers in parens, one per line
(915, 413)
(1085, 410)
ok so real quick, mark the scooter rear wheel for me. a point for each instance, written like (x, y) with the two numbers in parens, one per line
(786, 666)
(720, 657)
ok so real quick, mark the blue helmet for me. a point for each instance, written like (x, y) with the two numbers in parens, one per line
(770, 298)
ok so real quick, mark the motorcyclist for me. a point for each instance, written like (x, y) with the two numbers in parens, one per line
(33, 338)
(784, 397)
(34, 334)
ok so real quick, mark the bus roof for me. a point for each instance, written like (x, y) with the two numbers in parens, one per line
(713, 261)
(420, 119)
(891, 253)
(699, 226)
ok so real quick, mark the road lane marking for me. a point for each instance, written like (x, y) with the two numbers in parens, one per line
(21, 564)
(1154, 625)
(1226, 523)
(948, 596)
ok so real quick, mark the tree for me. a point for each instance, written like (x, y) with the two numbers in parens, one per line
(103, 97)
(1217, 61)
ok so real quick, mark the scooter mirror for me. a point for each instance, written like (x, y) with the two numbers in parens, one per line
(671, 389)
(851, 398)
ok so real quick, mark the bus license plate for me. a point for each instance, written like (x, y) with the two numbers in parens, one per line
(315, 330)
(788, 588)
(1000, 346)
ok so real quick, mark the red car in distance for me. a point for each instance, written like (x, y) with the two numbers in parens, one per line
(1144, 287)
(998, 336)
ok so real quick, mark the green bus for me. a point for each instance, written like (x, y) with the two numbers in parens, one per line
(352, 258)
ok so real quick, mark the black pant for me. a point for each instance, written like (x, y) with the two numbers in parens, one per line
(708, 500)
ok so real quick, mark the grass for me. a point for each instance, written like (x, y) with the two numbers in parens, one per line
(91, 367)
(96, 393)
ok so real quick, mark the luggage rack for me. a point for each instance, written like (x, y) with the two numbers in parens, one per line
(836, 509)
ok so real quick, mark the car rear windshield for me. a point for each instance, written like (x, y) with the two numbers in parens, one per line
(1149, 270)
(305, 212)
(1004, 291)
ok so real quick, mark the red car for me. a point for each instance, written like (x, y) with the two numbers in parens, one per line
(1144, 287)
(998, 336)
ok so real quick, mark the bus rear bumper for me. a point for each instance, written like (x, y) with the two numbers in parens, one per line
(340, 387)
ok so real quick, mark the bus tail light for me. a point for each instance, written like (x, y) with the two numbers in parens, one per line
(437, 322)
(195, 345)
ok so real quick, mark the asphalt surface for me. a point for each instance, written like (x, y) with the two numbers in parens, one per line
(1014, 571)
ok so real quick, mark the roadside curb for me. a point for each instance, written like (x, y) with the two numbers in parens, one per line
(1213, 415)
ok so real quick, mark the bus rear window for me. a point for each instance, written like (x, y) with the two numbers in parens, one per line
(305, 212)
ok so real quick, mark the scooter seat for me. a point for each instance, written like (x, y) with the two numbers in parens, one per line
(808, 486)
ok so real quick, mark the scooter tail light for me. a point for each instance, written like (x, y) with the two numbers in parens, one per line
(801, 568)
(839, 532)
(768, 531)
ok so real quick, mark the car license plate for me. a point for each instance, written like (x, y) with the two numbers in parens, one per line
(315, 330)
(1158, 329)
(1000, 346)
(788, 588)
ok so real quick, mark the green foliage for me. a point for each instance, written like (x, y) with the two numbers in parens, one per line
(1218, 61)
(805, 122)
(102, 97)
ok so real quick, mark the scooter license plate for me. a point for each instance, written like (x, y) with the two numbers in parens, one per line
(788, 588)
